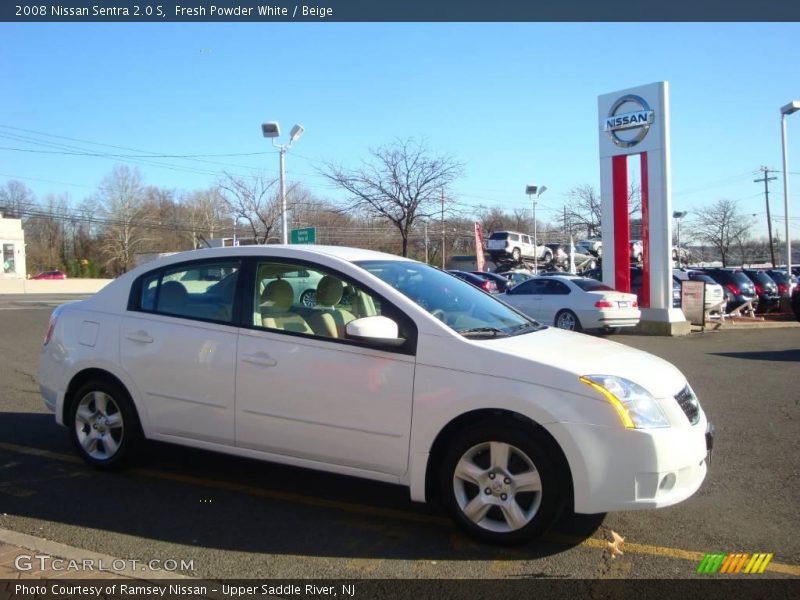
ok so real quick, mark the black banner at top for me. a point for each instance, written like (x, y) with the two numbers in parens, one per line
(277, 11)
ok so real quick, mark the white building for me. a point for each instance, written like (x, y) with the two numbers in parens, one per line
(12, 246)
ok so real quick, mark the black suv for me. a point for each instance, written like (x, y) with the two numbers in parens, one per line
(738, 287)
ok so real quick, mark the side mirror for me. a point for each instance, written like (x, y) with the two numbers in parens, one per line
(376, 331)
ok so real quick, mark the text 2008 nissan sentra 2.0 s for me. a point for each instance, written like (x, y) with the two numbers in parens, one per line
(397, 372)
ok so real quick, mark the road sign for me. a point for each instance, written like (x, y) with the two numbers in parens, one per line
(307, 235)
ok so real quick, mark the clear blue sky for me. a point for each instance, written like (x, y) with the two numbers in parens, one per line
(516, 102)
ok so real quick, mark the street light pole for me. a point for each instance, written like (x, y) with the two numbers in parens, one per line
(273, 130)
(284, 219)
(533, 194)
(785, 111)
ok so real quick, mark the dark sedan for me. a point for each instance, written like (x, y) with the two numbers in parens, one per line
(502, 283)
(479, 281)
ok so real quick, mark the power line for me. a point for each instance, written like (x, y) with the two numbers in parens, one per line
(107, 155)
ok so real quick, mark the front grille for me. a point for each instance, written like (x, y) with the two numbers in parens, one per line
(689, 404)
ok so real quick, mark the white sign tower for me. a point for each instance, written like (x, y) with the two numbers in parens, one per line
(636, 122)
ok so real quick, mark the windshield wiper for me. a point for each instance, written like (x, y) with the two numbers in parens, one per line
(483, 332)
(526, 327)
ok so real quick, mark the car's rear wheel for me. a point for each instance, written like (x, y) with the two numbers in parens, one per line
(499, 483)
(566, 319)
(516, 254)
(103, 423)
(309, 298)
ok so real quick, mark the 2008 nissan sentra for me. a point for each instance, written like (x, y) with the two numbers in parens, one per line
(398, 372)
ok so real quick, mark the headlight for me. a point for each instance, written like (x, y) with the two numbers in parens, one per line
(636, 406)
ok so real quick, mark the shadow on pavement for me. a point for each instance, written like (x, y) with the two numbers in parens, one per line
(204, 499)
(771, 355)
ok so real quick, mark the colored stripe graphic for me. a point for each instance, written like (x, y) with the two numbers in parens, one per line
(734, 563)
(758, 563)
(711, 563)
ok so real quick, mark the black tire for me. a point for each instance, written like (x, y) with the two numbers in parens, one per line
(309, 298)
(566, 319)
(103, 424)
(609, 331)
(548, 258)
(516, 255)
(505, 515)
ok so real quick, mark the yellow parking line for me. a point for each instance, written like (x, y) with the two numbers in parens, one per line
(629, 547)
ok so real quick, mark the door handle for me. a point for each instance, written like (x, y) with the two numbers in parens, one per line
(139, 336)
(261, 359)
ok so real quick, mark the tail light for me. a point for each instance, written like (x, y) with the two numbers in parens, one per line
(759, 289)
(603, 304)
(783, 289)
(50, 327)
(733, 289)
(489, 286)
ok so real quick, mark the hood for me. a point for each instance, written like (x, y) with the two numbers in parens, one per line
(576, 354)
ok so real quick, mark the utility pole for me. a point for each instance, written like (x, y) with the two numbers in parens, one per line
(426, 241)
(766, 181)
(443, 257)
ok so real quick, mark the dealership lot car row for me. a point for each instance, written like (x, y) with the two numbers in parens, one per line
(512, 422)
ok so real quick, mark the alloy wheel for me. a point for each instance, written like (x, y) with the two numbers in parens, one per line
(99, 425)
(497, 487)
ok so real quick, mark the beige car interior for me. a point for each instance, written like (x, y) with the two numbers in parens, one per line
(278, 305)
(277, 300)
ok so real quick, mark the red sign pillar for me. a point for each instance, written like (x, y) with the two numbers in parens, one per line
(622, 229)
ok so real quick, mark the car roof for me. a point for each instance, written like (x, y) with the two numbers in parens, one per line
(308, 251)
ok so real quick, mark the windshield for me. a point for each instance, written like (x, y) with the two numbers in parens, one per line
(499, 235)
(460, 305)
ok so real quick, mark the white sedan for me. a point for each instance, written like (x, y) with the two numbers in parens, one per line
(513, 421)
(573, 303)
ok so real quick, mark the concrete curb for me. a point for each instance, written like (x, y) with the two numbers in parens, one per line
(56, 549)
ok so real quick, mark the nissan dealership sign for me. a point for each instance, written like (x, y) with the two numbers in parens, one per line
(633, 121)
(628, 120)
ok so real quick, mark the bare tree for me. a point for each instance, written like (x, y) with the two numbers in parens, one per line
(721, 226)
(16, 199)
(205, 212)
(400, 184)
(496, 219)
(121, 198)
(46, 232)
(251, 200)
(585, 207)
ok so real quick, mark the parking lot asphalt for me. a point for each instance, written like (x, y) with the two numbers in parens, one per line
(233, 517)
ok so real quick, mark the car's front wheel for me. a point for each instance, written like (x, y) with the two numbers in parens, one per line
(499, 483)
(103, 423)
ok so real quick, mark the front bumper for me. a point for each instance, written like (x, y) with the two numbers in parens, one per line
(629, 469)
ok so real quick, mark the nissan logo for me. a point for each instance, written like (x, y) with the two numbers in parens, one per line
(636, 116)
